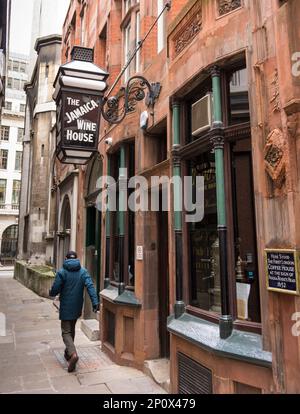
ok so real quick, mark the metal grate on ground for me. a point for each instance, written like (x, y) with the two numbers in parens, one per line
(90, 358)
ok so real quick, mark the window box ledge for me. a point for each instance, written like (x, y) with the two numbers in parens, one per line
(127, 298)
(241, 346)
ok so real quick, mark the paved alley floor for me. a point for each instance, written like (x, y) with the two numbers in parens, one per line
(31, 352)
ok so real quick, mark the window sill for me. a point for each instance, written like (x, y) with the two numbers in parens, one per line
(238, 324)
(127, 298)
(241, 346)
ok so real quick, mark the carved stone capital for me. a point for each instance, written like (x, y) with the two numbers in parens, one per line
(215, 71)
(218, 139)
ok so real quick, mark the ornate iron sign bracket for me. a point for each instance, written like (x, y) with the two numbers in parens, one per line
(116, 107)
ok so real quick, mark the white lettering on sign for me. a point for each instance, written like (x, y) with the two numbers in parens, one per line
(82, 110)
(86, 125)
(79, 136)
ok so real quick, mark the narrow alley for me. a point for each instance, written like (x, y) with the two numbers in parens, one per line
(31, 353)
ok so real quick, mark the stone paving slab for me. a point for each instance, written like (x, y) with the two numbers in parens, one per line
(31, 355)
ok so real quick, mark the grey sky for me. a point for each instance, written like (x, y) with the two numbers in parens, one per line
(21, 21)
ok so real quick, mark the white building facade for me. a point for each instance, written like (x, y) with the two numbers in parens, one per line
(11, 148)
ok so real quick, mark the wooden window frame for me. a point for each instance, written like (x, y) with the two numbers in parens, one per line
(190, 150)
(113, 216)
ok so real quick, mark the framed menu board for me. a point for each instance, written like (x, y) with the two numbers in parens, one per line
(282, 269)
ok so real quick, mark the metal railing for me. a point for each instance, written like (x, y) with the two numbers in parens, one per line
(9, 207)
(8, 251)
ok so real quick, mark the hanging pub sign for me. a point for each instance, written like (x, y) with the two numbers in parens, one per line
(79, 90)
(78, 120)
(282, 270)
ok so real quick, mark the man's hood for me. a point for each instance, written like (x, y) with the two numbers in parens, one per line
(72, 265)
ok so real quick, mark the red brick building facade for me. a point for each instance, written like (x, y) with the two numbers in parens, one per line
(244, 52)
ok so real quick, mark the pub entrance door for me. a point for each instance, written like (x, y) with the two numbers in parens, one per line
(93, 252)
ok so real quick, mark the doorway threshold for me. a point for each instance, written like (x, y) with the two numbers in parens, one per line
(159, 371)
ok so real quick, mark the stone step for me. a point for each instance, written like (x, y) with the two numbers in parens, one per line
(90, 327)
(159, 371)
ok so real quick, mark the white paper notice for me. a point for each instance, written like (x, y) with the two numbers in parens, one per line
(242, 293)
(139, 253)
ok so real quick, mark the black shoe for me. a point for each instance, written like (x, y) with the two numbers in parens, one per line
(67, 357)
(73, 361)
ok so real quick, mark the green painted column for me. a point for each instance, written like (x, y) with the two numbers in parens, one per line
(179, 307)
(121, 216)
(107, 232)
(226, 322)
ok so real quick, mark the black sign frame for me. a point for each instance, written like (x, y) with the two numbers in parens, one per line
(61, 144)
(283, 286)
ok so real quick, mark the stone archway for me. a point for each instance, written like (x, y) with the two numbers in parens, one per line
(65, 229)
(9, 244)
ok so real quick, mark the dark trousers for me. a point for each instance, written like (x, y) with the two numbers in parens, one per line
(68, 335)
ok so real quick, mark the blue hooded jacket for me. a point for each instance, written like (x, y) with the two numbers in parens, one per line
(69, 283)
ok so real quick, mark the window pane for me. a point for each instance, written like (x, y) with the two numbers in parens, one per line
(137, 36)
(20, 134)
(9, 82)
(16, 84)
(16, 192)
(23, 67)
(16, 66)
(204, 242)
(22, 108)
(8, 105)
(246, 267)
(239, 110)
(3, 159)
(127, 32)
(18, 165)
(160, 27)
(2, 192)
(4, 133)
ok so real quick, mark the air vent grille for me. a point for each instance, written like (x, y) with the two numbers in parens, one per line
(193, 378)
(83, 54)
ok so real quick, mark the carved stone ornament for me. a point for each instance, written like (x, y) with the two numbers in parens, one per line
(275, 100)
(186, 30)
(226, 6)
(275, 155)
(185, 38)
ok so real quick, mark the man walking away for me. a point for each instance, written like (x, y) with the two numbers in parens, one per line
(69, 283)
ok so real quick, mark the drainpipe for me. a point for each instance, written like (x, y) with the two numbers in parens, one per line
(74, 212)
(226, 322)
(179, 307)
(107, 233)
(121, 216)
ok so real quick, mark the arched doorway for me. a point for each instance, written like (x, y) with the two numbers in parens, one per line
(9, 244)
(65, 229)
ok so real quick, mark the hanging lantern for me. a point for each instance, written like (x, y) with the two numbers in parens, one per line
(79, 90)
